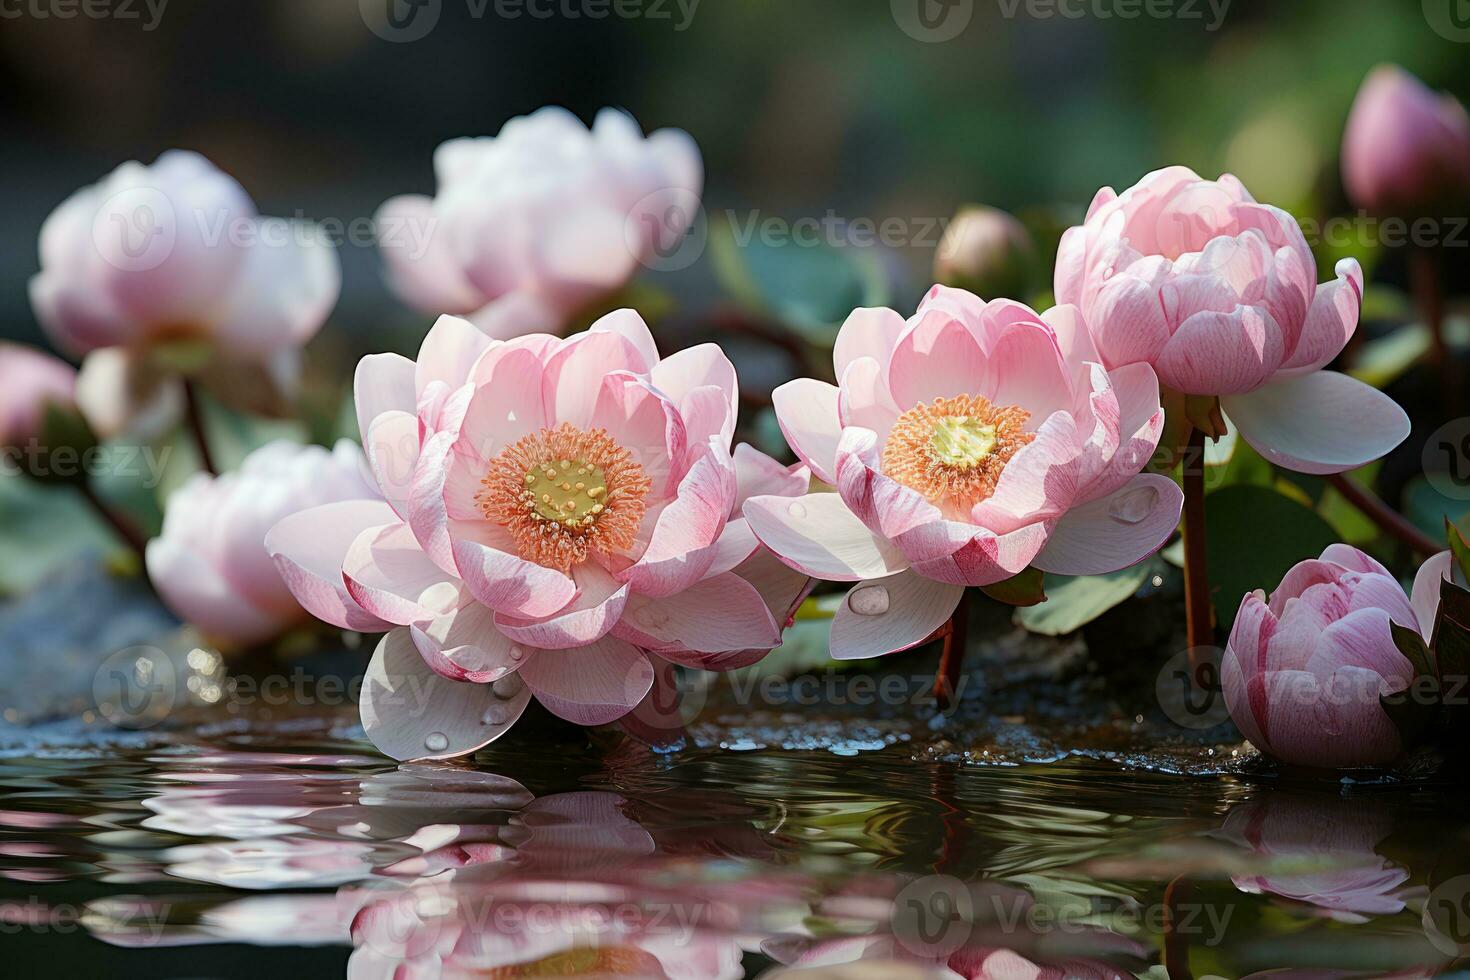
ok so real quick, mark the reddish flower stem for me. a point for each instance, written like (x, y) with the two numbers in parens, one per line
(1428, 291)
(952, 657)
(120, 525)
(1176, 944)
(194, 417)
(1390, 520)
(1199, 629)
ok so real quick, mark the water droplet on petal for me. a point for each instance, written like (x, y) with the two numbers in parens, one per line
(1135, 505)
(436, 742)
(506, 688)
(517, 653)
(868, 600)
(797, 509)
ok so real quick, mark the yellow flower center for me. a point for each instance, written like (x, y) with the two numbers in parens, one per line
(563, 493)
(953, 450)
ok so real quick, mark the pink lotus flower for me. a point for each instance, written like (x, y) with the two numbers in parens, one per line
(1337, 836)
(1406, 149)
(532, 225)
(965, 444)
(174, 256)
(29, 381)
(210, 565)
(555, 511)
(1219, 294)
(1303, 672)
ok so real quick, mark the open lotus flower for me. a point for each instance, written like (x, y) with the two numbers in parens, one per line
(210, 565)
(30, 380)
(1406, 149)
(171, 259)
(965, 444)
(1304, 670)
(554, 509)
(1219, 294)
(532, 225)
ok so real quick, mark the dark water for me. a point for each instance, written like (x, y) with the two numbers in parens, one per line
(298, 852)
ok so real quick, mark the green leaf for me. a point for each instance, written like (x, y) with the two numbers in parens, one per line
(1459, 547)
(1072, 603)
(1452, 655)
(1024, 589)
(1416, 709)
(808, 286)
(1253, 535)
(42, 529)
(1383, 360)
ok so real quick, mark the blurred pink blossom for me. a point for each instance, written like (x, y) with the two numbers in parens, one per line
(210, 564)
(30, 380)
(1406, 149)
(173, 258)
(532, 225)
(556, 511)
(966, 443)
(1219, 294)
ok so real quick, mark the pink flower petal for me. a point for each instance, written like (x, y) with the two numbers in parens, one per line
(1025, 368)
(886, 506)
(309, 548)
(1322, 422)
(497, 577)
(505, 407)
(1128, 322)
(716, 615)
(420, 264)
(864, 400)
(574, 374)
(464, 645)
(449, 350)
(1330, 321)
(1222, 353)
(981, 558)
(680, 552)
(591, 685)
(819, 536)
(629, 325)
(390, 576)
(808, 413)
(1426, 591)
(392, 448)
(282, 294)
(599, 605)
(1115, 531)
(410, 712)
(936, 357)
(867, 332)
(643, 421)
(890, 614)
(757, 474)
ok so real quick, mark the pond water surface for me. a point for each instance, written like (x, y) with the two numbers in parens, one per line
(297, 851)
